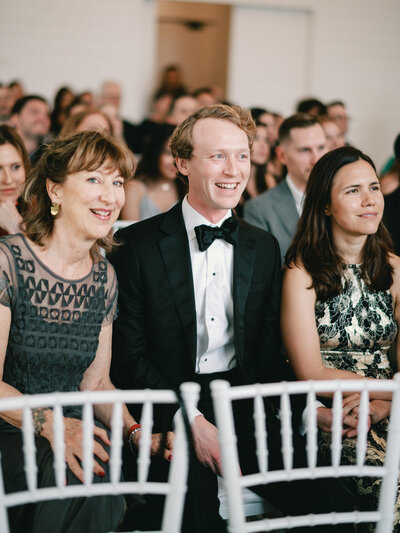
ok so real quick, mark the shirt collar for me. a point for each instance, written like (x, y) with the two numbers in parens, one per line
(298, 195)
(193, 218)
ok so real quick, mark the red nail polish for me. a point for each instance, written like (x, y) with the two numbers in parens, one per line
(102, 473)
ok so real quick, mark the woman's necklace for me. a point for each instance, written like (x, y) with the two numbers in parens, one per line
(165, 186)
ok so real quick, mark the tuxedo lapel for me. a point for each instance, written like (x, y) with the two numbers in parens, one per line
(243, 264)
(174, 248)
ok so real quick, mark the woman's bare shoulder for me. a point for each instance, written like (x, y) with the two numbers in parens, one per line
(394, 261)
(297, 276)
(296, 270)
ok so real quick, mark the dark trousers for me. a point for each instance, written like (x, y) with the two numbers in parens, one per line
(95, 514)
(292, 498)
(201, 513)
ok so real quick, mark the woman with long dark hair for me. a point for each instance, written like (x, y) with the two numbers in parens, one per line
(341, 299)
(63, 99)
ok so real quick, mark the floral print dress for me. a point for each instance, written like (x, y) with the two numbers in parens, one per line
(356, 329)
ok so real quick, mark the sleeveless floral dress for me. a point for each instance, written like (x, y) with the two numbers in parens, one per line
(356, 329)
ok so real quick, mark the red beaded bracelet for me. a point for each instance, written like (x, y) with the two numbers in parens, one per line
(134, 428)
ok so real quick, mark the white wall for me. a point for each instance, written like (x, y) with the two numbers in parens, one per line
(273, 70)
(48, 43)
(353, 56)
(202, 54)
(361, 63)
(354, 51)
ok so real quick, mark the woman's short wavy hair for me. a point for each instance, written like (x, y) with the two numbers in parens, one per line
(182, 138)
(83, 151)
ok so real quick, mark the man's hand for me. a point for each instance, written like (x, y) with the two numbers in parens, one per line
(324, 421)
(205, 436)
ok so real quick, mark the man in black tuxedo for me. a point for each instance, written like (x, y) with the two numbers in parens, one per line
(199, 297)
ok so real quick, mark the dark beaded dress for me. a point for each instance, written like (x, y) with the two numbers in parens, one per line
(53, 339)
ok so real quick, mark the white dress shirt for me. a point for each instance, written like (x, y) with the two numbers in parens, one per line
(298, 195)
(213, 281)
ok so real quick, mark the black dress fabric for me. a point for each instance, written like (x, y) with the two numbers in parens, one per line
(53, 339)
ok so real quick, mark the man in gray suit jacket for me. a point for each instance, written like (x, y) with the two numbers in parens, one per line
(301, 143)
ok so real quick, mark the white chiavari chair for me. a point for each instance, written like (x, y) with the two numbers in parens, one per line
(174, 488)
(223, 395)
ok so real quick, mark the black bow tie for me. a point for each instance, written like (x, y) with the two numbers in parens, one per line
(206, 235)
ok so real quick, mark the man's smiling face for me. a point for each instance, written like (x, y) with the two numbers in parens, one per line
(219, 168)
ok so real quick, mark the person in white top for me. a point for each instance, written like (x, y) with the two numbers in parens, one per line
(199, 298)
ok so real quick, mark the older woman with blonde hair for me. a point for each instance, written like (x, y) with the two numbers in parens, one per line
(57, 303)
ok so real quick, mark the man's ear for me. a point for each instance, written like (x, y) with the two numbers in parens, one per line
(182, 165)
(54, 190)
(280, 152)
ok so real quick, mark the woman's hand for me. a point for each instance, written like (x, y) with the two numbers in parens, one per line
(161, 443)
(378, 410)
(73, 435)
(10, 219)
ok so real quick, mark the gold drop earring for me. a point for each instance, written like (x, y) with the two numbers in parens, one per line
(54, 208)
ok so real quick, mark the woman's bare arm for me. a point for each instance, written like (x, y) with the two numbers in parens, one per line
(300, 335)
(12, 417)
(97, 377)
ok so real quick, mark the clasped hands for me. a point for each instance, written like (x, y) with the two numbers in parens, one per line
(378, 409)
(73, 435)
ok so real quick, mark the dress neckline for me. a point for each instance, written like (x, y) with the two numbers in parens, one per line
(57, 276)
